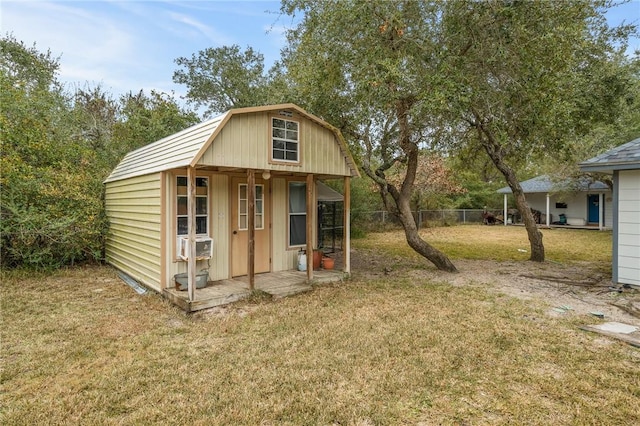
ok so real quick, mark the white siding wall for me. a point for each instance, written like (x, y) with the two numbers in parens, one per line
(629, 227)
(133, 246)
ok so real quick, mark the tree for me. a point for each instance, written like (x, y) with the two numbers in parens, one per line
(50, 212)
(223, 78)
(434, 181)
(145, 119)
(371, 69)
(530, 79)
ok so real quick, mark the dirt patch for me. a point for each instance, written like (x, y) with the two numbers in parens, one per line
(579, 288)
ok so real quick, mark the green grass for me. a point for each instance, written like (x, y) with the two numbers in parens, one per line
(80, 347)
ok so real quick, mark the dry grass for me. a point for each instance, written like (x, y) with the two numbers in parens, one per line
(80, 347)
(498, 243)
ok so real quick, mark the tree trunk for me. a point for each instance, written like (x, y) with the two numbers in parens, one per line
(493, 149)
(435, 256)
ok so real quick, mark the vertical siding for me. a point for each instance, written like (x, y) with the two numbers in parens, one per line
(220, 222)
(629, 227)
(245, 142)
(281, 257)
(134, 210)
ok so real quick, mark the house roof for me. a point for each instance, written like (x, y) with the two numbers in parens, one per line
(545, 184)
(185, 148)
(623, 157)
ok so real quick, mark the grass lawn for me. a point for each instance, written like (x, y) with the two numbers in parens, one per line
(80, 347)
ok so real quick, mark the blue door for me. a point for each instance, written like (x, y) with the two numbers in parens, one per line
(594, 208)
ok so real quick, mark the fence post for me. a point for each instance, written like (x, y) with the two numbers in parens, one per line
(464, 216)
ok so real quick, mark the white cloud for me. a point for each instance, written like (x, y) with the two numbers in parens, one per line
(194, 28)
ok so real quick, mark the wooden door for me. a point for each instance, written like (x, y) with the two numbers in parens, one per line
(240, 232)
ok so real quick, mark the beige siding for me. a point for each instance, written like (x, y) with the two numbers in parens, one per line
(245, 142)
(284, 257)
(134, 210)
(629, 227)
(281, 259)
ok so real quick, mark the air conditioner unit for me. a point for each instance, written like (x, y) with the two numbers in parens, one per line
(204, 248)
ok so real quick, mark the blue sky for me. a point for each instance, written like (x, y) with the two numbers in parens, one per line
(131, 45)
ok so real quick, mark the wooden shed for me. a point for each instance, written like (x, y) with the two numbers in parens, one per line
(233, 196)
(623, 163)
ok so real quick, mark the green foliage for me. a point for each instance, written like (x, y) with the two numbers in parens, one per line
(56, 151)
(51, 198)
(223, 78)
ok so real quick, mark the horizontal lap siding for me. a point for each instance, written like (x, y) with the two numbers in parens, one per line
(134, 210)
(629, 227)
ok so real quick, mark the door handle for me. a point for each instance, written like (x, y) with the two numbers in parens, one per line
(235, 232)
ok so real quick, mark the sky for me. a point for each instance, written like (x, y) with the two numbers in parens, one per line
(132, 45)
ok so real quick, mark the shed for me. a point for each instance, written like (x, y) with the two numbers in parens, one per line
(623, 163)
(579, 202)
(233, 196)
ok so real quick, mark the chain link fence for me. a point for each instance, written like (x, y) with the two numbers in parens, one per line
(371, 220)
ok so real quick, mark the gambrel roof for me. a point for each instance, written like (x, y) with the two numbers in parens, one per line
(186, 147)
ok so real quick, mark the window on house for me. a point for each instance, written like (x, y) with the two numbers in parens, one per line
(297, 213)
(202, 203)
(285, 140)
(243, 207)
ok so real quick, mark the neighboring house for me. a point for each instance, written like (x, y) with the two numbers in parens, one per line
(581, 203)
(623, 163)
(176, 198)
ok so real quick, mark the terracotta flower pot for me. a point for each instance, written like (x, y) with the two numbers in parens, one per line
(317, 257)
(327, 263)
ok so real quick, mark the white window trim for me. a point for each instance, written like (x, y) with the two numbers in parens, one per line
(297, 142)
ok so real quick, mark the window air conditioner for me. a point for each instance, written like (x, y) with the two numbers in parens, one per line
(204, 248)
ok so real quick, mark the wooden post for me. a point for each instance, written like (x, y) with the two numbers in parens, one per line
(191, 224)
(310, 216)
(251, 225)
(346, 230)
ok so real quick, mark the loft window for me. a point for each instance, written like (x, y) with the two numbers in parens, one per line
(285, 140)
(297, 213)
(202, 203)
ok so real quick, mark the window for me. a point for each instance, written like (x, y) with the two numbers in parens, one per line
(285, 140)
(243, 207)
(202, 203)
(297, 213)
